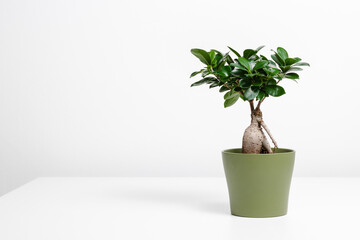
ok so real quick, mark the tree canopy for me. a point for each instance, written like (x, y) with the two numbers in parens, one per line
(248, 76)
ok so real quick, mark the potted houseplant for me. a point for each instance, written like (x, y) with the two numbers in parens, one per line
(257, 175)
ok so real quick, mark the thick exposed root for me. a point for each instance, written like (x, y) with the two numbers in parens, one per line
(262, 123)
(266, 145)
(254, 139)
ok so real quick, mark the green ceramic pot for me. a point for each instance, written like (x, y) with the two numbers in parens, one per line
(258, 183)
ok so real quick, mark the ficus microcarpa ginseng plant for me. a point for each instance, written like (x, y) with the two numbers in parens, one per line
(251, 77)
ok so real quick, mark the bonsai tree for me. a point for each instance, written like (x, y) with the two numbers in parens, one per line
(251, 77)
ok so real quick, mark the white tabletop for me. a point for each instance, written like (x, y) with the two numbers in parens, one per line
(172, 208)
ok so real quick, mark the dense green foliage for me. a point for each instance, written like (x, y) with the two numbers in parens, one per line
(250, 76)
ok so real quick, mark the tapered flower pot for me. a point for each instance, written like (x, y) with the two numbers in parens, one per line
(258, 184)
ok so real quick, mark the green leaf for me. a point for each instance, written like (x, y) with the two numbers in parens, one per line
(292, 75)
(237, 73)
(212, 56)
(225, 71)
(274, 90)
(263, 57)
(217, 60)
(218, 66)
(282, 53)
(285, 69)
(259, 48)
(231, 101)
(272, 71)
(234, 51)
(261, 95)
(242, 97)
(237, 65)
(248, 53)
(260, 74)
(254, 57)
(205, 73)
(229, 59)
(251, 93)
(223, 89)
(302, 64)
(215, 84)
(224, 57)
(258, 82)
(244, 62)
(218, 52)
(290, 61)
(295, 69)
(250, 75)
(245, 83)
(227, 95)
(198, 83)
(205, 80)
(196, 73)
(230, 94)
(271, 82)
(202, 55)
(272, 64)
(260, 64)
(277, 59)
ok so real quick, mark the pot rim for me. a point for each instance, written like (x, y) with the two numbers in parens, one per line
(238, 152)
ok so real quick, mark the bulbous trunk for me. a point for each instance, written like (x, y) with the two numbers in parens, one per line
(254, 139)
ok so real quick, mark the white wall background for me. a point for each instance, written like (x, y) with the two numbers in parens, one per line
(101, 88)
